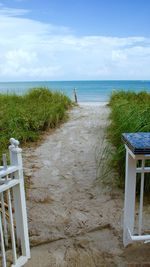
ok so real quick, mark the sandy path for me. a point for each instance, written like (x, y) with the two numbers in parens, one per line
(73, 220)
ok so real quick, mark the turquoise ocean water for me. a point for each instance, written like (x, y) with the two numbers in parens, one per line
(87, 91)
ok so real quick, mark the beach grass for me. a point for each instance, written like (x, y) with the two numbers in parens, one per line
(26, 117)
(130, 112)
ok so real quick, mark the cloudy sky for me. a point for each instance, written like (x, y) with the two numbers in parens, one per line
(74, 40)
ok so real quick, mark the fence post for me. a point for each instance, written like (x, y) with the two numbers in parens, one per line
(19, 199)
(75, 95)
(129, 202)
(137, 150)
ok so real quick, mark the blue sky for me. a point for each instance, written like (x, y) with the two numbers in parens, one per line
(121, 18)
(74, 39)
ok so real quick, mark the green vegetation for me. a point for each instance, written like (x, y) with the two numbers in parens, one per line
(130, 112)
(25, 117)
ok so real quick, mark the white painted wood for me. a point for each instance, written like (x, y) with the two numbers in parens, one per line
(137, 156)
(130, 152)
(8, 171)
(12, 232)
(11, 177)
(4, 161)
(129, 202)
(141, 199)
(20, 262)
(141, 170)
(8, 184)
(138, 237)
(19, 200)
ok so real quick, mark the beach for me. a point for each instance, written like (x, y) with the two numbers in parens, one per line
(75, 133)
(75, 220)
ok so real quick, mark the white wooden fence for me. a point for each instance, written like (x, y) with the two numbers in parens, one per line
(14, 239)
(130, 233)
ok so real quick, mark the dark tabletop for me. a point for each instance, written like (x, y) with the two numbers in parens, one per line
(138, 143)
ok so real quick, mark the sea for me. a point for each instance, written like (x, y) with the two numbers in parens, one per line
(87, 91)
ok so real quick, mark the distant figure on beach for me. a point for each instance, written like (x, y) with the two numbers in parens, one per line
(75, 95)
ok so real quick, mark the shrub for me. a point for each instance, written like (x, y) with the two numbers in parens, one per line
(129, 113)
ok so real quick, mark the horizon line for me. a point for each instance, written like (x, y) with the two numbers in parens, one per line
(80, 80)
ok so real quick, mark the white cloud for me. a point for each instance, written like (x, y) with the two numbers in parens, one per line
(32, 50)
(12, 11)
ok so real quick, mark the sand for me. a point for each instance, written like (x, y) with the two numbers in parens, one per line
(75, 220)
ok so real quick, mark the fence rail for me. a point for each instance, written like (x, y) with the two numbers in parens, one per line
(14, 239)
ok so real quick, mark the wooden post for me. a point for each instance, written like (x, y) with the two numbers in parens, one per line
(19, 199)
(129, 203)
(75, 95)
(137, 149)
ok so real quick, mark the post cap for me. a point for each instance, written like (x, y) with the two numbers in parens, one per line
(138, 143)
(14, 142)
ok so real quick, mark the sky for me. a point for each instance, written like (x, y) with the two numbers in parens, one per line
(74, 40)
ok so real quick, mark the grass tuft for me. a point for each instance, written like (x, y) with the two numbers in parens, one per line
(26, 117)
(130, 112)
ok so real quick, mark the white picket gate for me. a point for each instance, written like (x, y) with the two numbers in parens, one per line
(14, 239)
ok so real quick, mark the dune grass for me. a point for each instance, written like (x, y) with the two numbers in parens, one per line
(26, 117)
(130, 112)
